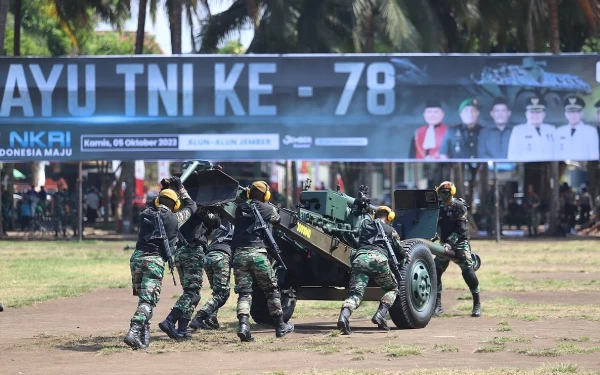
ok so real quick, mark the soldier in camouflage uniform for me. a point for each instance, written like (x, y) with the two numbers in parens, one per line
(147, 262)
(460, 141)
(454, 235)
(59, 208)
(218, 270)
(189, 260)
(250, 260)
(370, 261)
(532, 202)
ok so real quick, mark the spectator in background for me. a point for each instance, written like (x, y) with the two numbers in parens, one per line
(43, 199)
(7, 204)
(33, 199)
(585, 205)
(26, 212)
(92, 201)
(532, 203)
(569, 208)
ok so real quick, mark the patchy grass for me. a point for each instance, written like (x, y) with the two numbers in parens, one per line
(503, 340)
(443, 348)
(503, 326)
(505, 262)
(547, 369)
(395, 350)
(33, 272)
(573, 339)
(505, 307)
(489, 349)
(559, 350)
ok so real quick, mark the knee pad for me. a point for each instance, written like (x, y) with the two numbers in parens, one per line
(470, 278)
(245, 296)
(145, 310)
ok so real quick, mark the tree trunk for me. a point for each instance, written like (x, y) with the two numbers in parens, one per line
(3, 14)
(17, 30)
(141, 33)
(459, 179)
(554, 168)
(593, 169)
(554, 32)
(175, 23)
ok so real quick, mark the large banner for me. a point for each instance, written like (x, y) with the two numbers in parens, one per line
(313, 107)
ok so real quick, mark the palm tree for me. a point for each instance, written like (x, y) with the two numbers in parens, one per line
(3, 16)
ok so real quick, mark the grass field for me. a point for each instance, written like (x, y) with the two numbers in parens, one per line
(515, 276)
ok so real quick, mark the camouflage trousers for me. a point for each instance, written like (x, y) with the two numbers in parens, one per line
(189, 263)
(464, 261)
(218, 271)
(61, 221)
(146, 280)
(370, 264)
(249, 262)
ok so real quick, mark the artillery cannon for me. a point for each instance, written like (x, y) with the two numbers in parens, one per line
(316, 240)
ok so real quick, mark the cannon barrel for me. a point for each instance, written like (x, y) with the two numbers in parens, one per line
(438, 250)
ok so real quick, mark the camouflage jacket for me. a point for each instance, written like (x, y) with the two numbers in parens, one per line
(453, 223)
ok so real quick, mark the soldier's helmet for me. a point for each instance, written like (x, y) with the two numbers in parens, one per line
(446, 190)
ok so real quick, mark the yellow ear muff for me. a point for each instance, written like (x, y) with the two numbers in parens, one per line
(391, 214)
(268, 193)
(447, 184)
(156, 202)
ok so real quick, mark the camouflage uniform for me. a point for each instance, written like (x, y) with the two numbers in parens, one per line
(189, 260)
(147, 266)
(218, 271)
(370, 261)
(454, 233)
(532, 201)
(61, 219)
(250, 260)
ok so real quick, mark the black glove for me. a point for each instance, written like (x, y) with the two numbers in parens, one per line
(176, 183)
(164, 183)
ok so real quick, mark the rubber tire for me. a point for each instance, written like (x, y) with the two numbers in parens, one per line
(403, 313)
(259, 310)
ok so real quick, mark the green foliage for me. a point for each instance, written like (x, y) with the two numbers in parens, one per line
(233, 47)
(115, 43)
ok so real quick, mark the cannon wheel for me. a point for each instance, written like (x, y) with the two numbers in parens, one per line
(259, 310)
(415, 303)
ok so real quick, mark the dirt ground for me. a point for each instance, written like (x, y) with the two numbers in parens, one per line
(65, 336)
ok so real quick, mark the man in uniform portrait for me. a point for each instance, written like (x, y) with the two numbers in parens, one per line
(597, 105)
(576, 140)
(493, 141)
(428, 138)
(534, 140)
(460, 141)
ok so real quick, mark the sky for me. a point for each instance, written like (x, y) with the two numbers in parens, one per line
(163, 34)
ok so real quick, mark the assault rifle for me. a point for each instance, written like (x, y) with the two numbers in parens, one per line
(262, 225)
(392, 255)
(168, 253)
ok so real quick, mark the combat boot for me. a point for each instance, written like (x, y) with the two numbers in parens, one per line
(199, 322)
(134, 336)
(282, 328)
(343, 323)
(168, 325)
(182, 328)
(146, 334)
(476, 306)
(244, 329)
(2, 309)
(213, 322)
(379, 317)
(438, 305)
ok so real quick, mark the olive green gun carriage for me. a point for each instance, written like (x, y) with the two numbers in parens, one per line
(316, 241)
